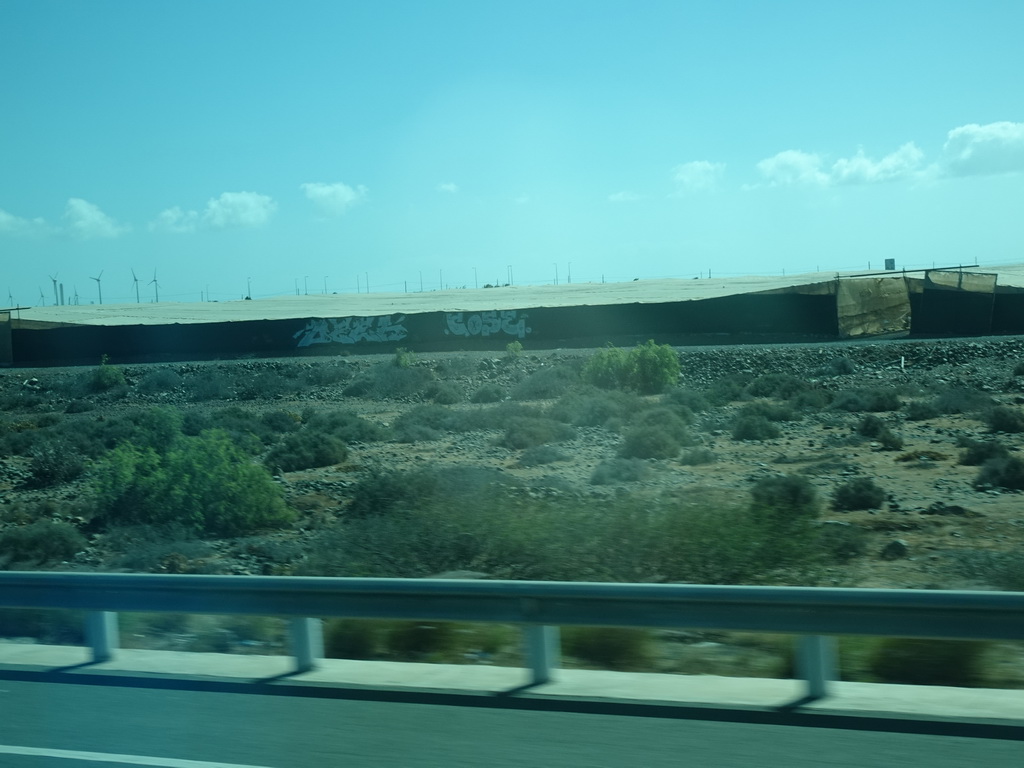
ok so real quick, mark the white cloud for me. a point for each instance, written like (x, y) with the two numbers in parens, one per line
(231, 209)
(623, 197)
(974, 150)
(333, 199)
(860, 169)
(793, 167)
(449, 187)
(238, 209)
(86, 221)
(15, 225)
(699, 174)
(175, 220)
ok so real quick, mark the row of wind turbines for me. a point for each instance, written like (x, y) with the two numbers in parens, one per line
(58, 291)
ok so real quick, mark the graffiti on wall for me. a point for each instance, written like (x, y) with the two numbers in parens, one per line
(350, 330)
(508, 321)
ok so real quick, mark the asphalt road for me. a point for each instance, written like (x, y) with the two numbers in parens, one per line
(72, 725)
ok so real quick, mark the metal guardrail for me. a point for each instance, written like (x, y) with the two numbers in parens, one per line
(814, 614)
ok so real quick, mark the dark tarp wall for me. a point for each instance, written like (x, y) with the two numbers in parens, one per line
(953, 303)
(749, 317)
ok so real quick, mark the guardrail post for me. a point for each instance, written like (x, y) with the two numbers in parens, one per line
(543, 649)
(307, 642)
(101, 634)
(816, 663)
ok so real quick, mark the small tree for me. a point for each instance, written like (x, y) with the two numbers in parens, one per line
(205, 483)
(653, 368)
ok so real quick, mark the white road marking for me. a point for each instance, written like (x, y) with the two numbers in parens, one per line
(103, 757)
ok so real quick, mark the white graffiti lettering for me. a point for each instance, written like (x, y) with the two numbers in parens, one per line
(350, 330)
(508, 321)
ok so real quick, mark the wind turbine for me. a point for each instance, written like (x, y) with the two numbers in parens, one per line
(135, 282)
(156, 286)
(53, 277)
(76, 295)
(99, 285)
(42, 297)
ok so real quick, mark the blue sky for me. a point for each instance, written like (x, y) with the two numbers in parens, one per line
(226, 144)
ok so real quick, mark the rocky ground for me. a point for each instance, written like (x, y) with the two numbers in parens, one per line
(935, 518)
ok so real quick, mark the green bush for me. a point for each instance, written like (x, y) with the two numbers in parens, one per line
(612, 471)
(977, 452)
(770, 411)
(778, 385)
(205, 483)
(607, 369)
(791, 496)
(648, 368)
(488, 393)
(540, 455)
(208, 384)
(105, 377)
(921, 411)
(390, 380)
(280, 422)
(928, 662)
(621, 648)
(874, 428)
(594, 408)
(783, 509)
(1007, 472)
(811, 400)
(842, 542)
(245, 428)
(961, 400)
(653, 368)
(304, 450)
(444, 392)
(687, 398)
(382, 492)
(697, 456)
(344, 425)
(728, 389)
(40, 543)
(649, 443)
(837, 366)
(54, 463)
(859, 493)
(859, 400)
(526, 432)
(1003, 418)
(159, 380)
(754, 428)
(871, 426)
(546, 383)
